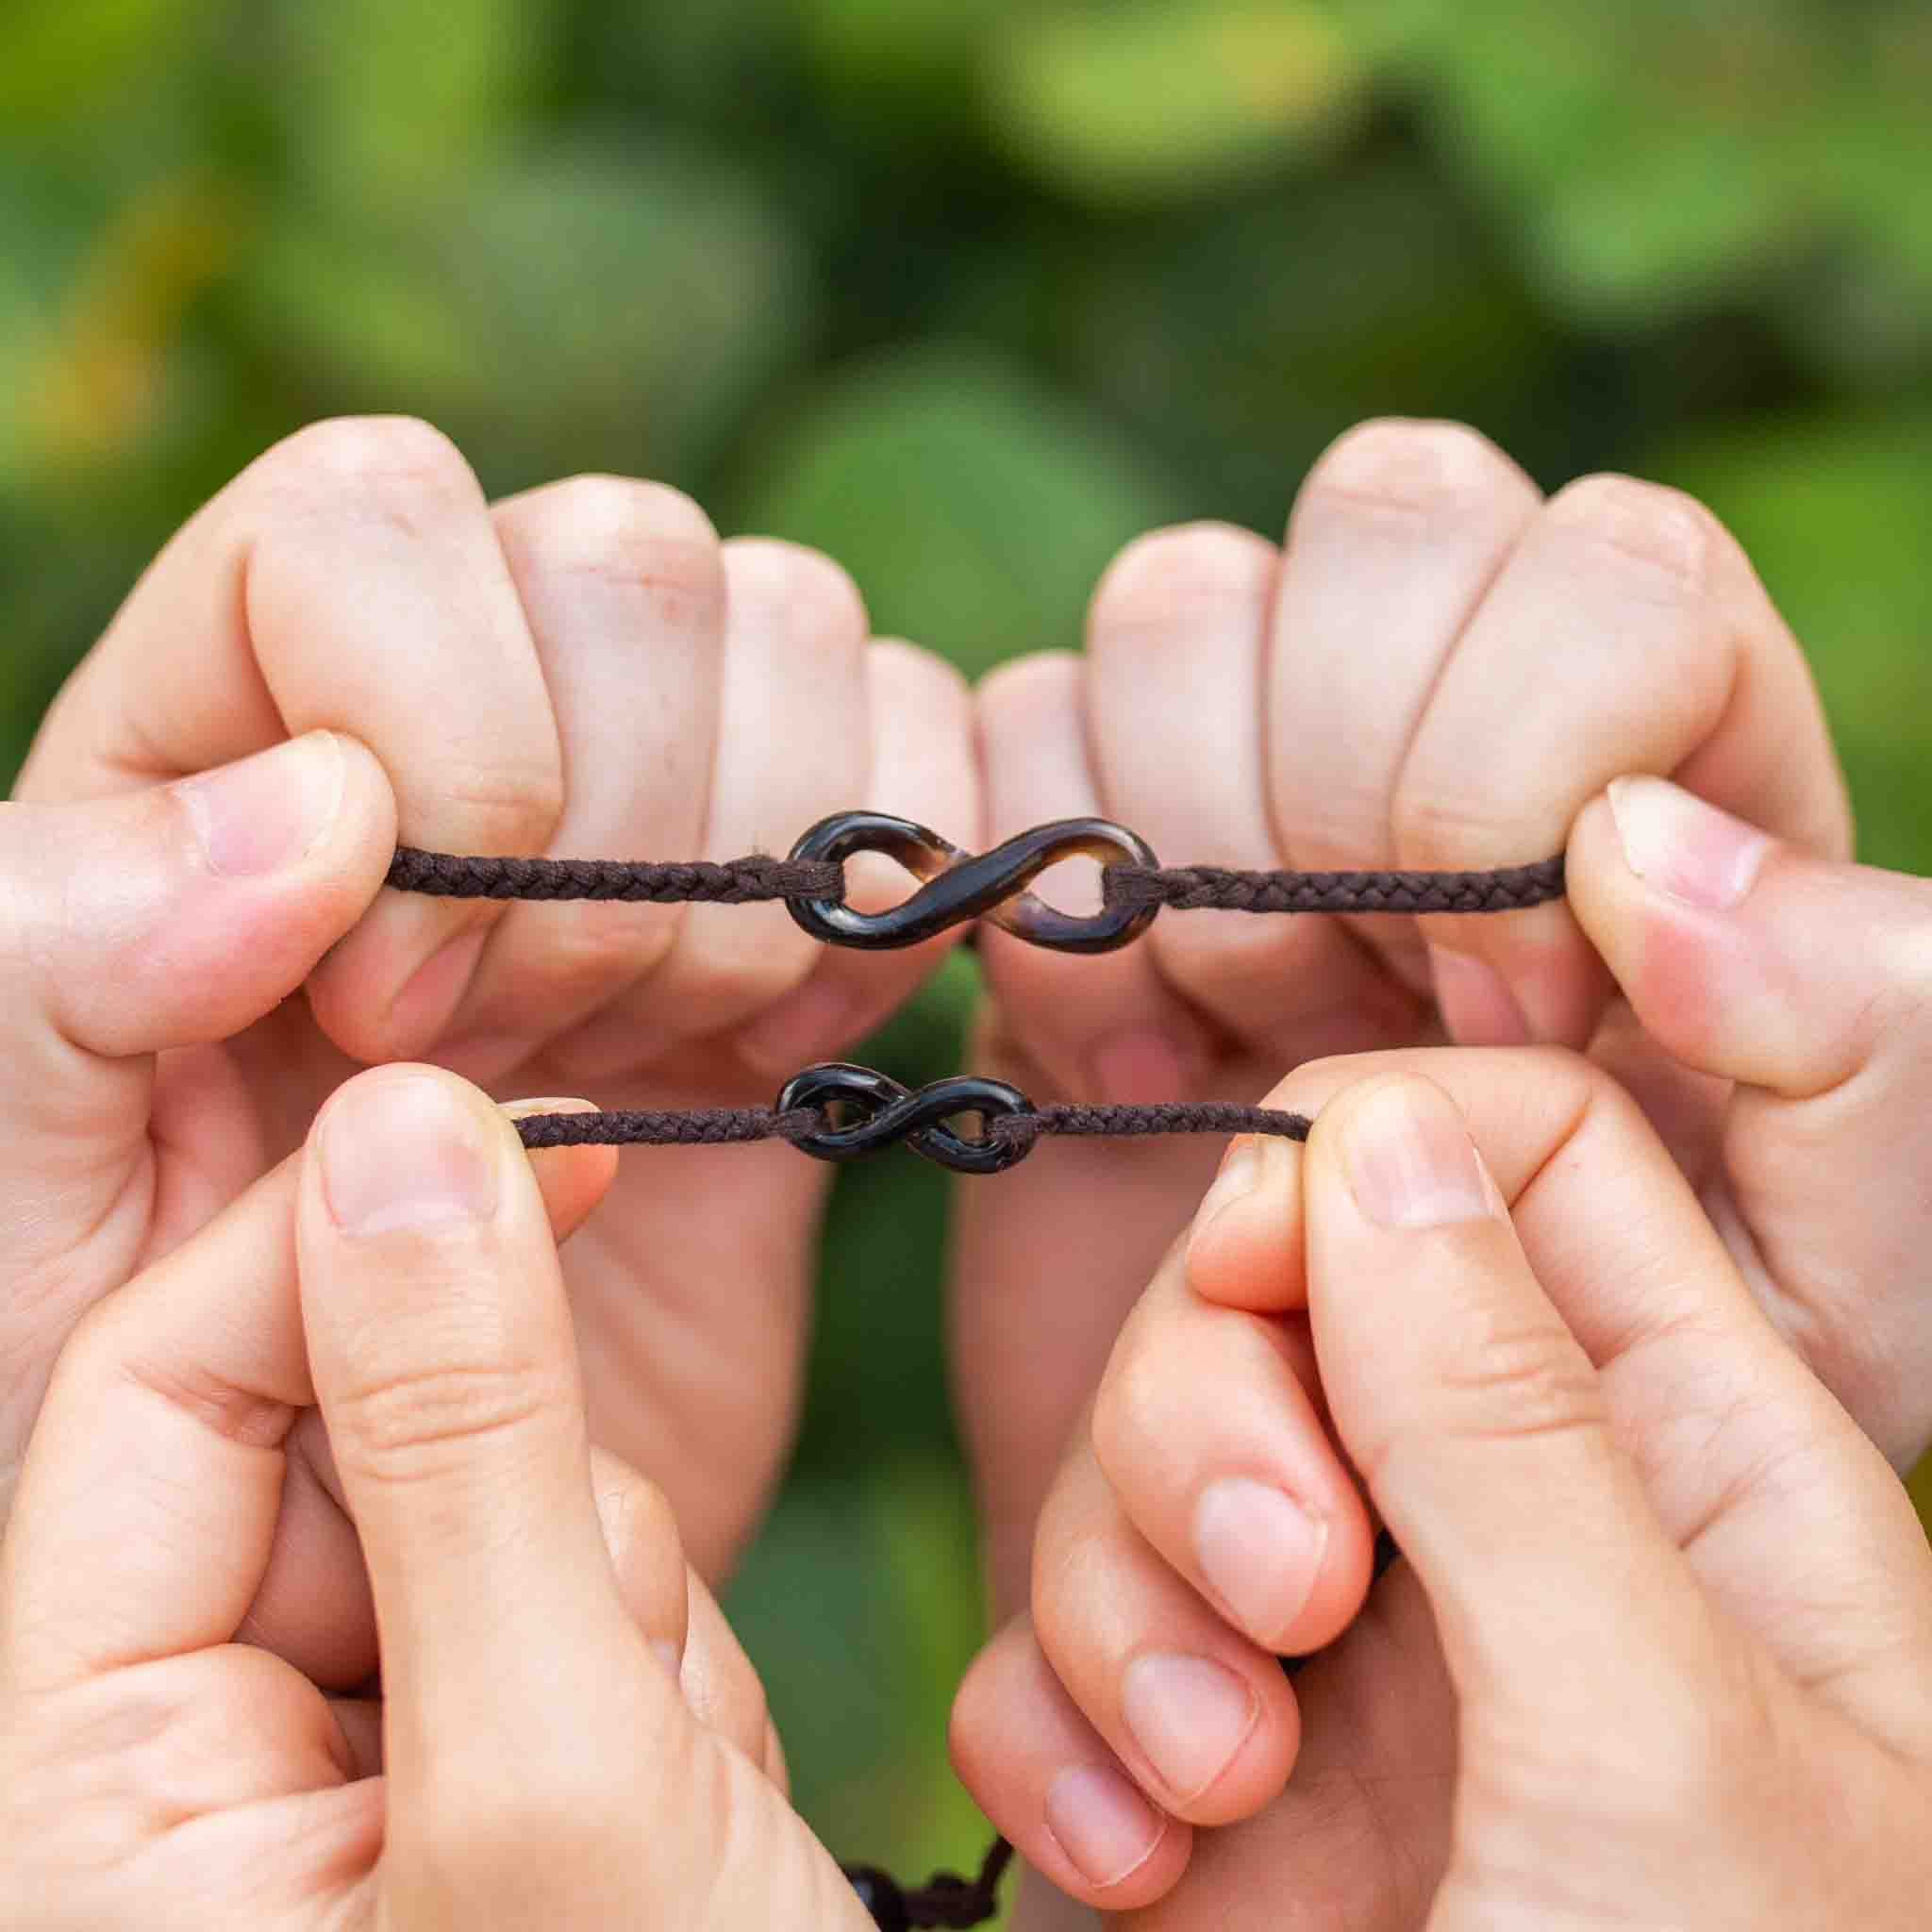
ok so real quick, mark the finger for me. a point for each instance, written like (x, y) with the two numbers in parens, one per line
(1215, 1452)
(1732, 949)
(1202, 1719)
(623, 587)
(148, 1501)
(793, 743)
(240, 635)
(922, 768)
(1397, 531)
(1478, 1422)
(1049, 1783)
(721, 1687)
(1117, 1032)
(1703, 1396)
(445, 1368)
(1627, 633)
(171, 1497)
(1175, 654)
(160, 919)
(639, 1530)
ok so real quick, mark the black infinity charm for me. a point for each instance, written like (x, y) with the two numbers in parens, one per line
(888, 1112)
(959, 885)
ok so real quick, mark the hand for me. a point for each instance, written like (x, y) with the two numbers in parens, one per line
(582, 670)
(1660, 1648)
(532, 1762)
(1438, 672)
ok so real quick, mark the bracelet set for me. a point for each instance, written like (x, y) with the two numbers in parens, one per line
(837, 1111)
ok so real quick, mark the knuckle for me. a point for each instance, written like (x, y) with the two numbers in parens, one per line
(506, 806)
(619, 527)
(1517, 1380)
(1413, 471)
(1433, 827)
(398, 468)
(1668, 537)
(799, 594)
(1161, 580)
(584, 956)
(409, 1426)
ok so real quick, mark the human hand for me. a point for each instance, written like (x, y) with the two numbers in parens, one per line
(1438, 672)
(584, 669)
(567, 1734)
(1660, 1648)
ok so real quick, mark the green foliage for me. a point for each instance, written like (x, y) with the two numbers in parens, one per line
(974, 505)
(967, 292)
(1133, 103)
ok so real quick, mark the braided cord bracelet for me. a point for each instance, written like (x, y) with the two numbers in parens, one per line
(839, 1111)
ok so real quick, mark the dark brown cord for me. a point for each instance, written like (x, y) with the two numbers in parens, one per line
(738, 882)
(711, 1127)
(1182, 889)
(1197, 888)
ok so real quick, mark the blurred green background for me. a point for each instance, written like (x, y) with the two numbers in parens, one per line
(968, 291)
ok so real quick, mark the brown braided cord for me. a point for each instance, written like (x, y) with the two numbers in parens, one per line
(1183, 889)
(697, 1126)
(1200, 888)
(714, 1127)
(737, 882)
(1162, 1117)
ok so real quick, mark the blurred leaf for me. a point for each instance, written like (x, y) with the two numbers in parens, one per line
(1241, 341)
(904, 62)
(1131, 104)
(975, 507)
(598, 304)
(64, 60)
(97, 379)
(1834, 511)
(389, 101)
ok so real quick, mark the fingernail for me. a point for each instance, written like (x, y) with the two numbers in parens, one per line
(1475, 1002)
(1410, 1158)
(270, 811)
(1105, 1827)
(1260, 1552)
(406, 1152)
(1688, 850)
(1189, 1715)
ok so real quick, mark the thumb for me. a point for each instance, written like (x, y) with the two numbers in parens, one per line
(172, 917)
(445, 1370)
(1476, 1420)
(542, 1765)
(164, 918)
(1808, 983)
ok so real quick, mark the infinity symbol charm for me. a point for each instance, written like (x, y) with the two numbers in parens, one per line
(888, 1112)
(962, 884)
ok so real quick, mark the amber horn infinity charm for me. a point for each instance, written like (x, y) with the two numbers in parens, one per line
(959, 885)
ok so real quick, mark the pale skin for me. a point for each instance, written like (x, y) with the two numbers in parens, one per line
(1440, 669)
(198, 949)
(1660, 1650)
(435, 683)
(567, 1733)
